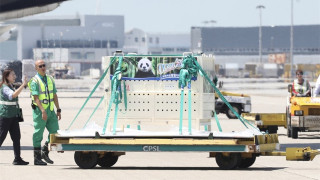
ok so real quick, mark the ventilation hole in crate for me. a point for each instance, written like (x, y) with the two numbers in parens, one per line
(194, 110)
(185, 110)
(138, 109)
(129, 109)
(167, 110)
(162, 109)
(142, 109)
(134, 109)
(194, 102)
(148, 110)
(176, 110)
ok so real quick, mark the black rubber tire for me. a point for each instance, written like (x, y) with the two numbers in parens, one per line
(288, 117)
(228, 162)
(230, 114)
(272, 129)
(247, 162)
(294, 133)
(108, 160)
(289, 131)
(262, 129)
(86, 160)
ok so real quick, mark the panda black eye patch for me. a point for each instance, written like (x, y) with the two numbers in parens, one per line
(147, 64)
(141, 65)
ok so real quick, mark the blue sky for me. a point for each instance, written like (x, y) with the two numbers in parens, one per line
(179, 15)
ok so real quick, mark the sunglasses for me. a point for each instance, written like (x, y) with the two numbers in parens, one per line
(42, 65)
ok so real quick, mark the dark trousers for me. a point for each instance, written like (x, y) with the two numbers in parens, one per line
(11, 125)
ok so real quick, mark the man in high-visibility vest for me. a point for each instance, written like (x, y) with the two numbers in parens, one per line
(44, 98)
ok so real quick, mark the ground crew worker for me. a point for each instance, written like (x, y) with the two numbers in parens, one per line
(300, 86)
(9, 112)
(44, 98)
(317, 89)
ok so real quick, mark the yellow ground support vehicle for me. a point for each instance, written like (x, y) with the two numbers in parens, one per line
(303, 114)
(267, 121)
(241, 103)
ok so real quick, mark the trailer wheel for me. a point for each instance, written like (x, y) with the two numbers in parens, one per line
(247, 162)
(294, 133)
(230, 114)
(86, 160)
(108, 160)
(228, 162)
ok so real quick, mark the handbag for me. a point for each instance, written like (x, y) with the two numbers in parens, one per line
(20, 115)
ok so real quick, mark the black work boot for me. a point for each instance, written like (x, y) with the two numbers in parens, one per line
(37, 157)
(19, 161)
(45, 153)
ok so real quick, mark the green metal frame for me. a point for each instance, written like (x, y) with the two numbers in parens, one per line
(154, 148)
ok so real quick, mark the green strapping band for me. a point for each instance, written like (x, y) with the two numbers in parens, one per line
(116, 96)
(217, 121)
(95, 109)
(93, 90)
(243, 121)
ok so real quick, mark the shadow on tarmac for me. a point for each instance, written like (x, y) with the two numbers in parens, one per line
(180, 168)
(4, 148)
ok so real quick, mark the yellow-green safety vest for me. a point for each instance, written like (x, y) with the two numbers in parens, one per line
(45, 94)
(300, 88)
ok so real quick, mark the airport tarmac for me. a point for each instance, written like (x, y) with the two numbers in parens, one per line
(268, 95)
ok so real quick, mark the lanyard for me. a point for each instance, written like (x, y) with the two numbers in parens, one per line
(46, 86)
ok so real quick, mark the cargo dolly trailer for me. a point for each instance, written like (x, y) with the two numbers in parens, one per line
(151, 95)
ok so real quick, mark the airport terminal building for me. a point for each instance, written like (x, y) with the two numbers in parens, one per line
(79, 41)
(241, 44)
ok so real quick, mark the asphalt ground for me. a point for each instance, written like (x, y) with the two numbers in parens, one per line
(268, 95)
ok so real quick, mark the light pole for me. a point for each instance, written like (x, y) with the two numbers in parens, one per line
(61, 34)
(260, 7)
(291, 42)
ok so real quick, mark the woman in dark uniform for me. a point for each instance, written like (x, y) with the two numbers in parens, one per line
(9, 111)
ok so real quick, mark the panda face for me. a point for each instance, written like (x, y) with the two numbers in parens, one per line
(144, 65)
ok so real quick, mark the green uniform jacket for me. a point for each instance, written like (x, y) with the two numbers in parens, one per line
(8, 111)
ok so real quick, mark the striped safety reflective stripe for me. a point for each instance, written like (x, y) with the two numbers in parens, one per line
(8, 103)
